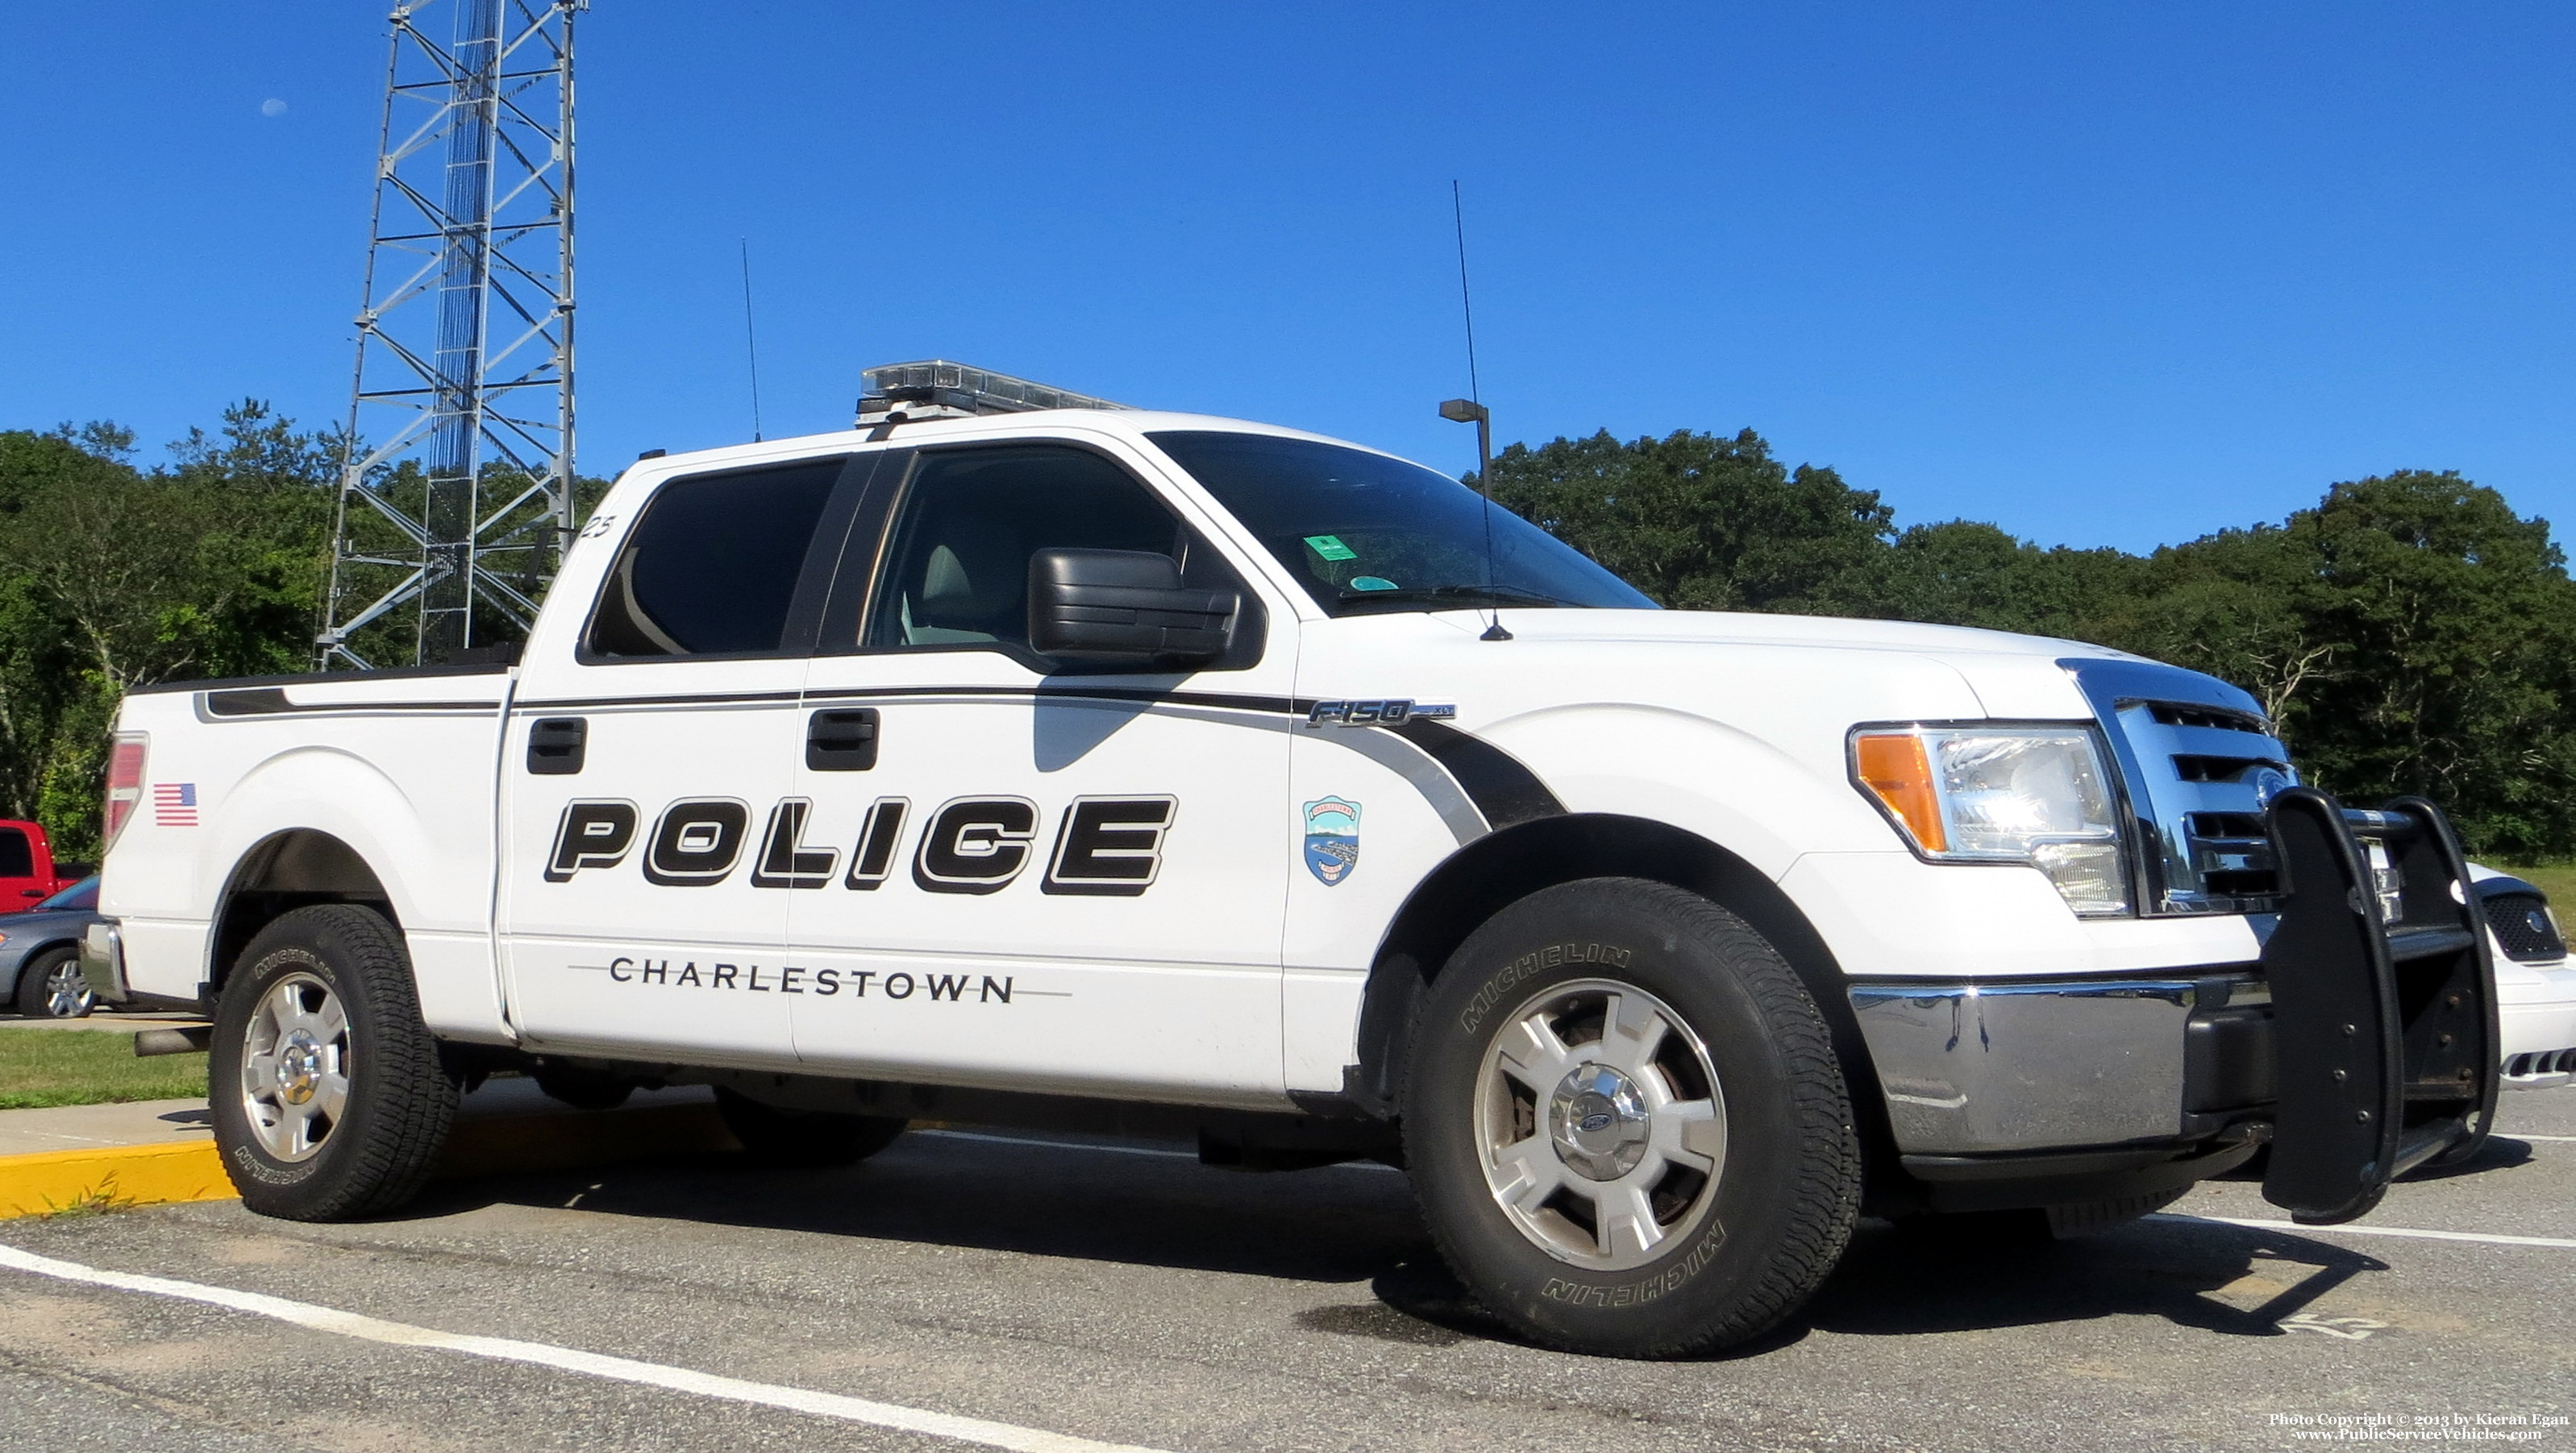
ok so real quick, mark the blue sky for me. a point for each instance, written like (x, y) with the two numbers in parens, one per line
(2104, 274)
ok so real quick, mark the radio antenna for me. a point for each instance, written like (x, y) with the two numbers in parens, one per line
(750, 340)
(1471, 409)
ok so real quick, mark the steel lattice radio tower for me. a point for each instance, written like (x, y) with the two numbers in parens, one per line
(454, 521)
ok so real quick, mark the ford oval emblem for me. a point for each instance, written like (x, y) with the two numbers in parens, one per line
(1596, 1121)
(2269, 782)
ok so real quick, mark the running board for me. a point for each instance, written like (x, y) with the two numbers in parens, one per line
(2385, 1037)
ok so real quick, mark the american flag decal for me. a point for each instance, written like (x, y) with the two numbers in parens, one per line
(174, 804)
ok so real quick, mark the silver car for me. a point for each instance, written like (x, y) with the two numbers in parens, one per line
(40, 973)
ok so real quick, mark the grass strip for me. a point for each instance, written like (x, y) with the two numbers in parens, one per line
(2558, 880)
(43, 1067)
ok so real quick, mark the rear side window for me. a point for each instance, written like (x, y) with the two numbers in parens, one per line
(17, 860)
(712, 567)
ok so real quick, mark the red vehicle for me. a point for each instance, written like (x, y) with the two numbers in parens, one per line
(28, 872)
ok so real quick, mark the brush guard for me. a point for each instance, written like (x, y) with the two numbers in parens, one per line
(2384, 1032)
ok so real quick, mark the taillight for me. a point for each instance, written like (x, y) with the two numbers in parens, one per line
(124, 783)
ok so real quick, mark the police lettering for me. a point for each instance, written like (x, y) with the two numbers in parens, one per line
(591, 835)
(1103, 846)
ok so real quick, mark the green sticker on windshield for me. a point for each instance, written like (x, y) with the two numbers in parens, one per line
(1331, 547)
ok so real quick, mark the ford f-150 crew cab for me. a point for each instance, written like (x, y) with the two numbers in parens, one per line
(1159, 773)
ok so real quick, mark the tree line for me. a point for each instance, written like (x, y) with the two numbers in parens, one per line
(2409, 633)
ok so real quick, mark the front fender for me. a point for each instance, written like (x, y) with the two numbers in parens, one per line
(1712, 780)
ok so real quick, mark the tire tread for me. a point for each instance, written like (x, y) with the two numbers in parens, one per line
(411, 1098)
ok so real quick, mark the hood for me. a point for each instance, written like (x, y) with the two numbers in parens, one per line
(1750, 629)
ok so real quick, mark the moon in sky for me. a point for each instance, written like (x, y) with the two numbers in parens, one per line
(272, 107)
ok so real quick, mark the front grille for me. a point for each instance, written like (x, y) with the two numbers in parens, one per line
(2521, 924)
(2196, 760)
(2180, 713)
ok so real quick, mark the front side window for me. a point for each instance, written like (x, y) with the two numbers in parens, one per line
(83, 895)
(959, 571)
(712, 567)
(1364, 532)
(17, 860)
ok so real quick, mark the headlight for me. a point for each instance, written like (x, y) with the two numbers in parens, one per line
(2035, 795)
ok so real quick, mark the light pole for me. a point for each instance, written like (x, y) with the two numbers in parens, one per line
(1468, 411)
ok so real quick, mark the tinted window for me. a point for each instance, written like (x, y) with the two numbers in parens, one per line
(17, 860)
(713, 565)
(1364, 532)
(83, 894)
(959, 573)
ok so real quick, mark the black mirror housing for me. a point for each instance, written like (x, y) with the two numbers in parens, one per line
(1124, 605)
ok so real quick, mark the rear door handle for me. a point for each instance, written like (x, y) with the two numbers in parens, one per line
(843, 739)
(556, 745)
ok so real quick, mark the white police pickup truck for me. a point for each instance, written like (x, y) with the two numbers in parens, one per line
(1091, 767)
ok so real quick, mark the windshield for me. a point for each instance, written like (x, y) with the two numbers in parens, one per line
(83, 894)
(1363, 532)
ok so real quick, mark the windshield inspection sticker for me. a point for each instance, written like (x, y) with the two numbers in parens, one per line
(1331, 547)
(1332, 839)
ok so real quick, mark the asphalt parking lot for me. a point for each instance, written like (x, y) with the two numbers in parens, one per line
(1071, 1296)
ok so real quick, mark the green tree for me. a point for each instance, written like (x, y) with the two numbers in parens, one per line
(1703, 523)
(113, 578)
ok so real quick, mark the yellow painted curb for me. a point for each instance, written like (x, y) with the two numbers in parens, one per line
(111, 1177)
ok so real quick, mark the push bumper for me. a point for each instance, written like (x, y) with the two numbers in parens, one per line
(2361, 1045)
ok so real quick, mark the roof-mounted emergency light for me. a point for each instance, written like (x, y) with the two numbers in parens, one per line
(938, 389)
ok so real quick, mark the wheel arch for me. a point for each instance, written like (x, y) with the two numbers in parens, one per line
(280, 873)
(1501, 868)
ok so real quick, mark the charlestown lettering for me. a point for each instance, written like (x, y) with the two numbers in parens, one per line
(820, 983)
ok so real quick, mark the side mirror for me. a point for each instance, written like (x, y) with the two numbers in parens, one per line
(1123, 605)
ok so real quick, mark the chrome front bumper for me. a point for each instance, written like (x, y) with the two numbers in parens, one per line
(2053, 1064)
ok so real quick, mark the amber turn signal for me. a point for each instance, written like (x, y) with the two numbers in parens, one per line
(1897, 770)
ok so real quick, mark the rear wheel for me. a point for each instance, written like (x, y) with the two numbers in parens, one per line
(1626, 1123)
(780, 1136)
(50, 986)
(329, 1099)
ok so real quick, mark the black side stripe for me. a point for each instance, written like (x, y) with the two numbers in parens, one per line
(1505, 791)
(272, 701)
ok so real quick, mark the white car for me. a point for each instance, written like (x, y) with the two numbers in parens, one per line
(2535, 985)
(1010, 762)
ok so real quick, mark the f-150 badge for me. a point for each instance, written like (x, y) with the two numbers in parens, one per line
(1332, 839)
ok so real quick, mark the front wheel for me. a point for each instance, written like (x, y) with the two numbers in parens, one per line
(329, 1099)
(1626, 1123)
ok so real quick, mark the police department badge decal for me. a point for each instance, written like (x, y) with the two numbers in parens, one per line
(1332, 839)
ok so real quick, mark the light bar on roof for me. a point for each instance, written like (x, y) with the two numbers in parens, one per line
(938, 389)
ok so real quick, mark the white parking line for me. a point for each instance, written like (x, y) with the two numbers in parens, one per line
(566, 1359)
(1121, 1149)
(2560, 1242)
(2527, 1135)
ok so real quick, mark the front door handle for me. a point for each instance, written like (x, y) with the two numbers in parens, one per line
(556, 745)
(843, 739)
